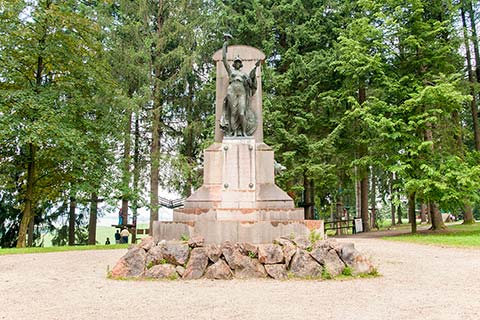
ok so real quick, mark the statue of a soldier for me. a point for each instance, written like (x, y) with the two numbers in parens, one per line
(238, 118)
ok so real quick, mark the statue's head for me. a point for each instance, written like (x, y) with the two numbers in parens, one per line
(237, 63)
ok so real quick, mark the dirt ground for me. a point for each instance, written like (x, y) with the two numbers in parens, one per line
(417, 282)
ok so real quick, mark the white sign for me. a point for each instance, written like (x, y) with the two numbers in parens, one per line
(358, 225)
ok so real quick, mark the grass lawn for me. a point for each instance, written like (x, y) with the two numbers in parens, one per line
(102, 233)
(58, 249)
(457, 235)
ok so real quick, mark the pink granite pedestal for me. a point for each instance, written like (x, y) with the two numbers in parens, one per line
(239, 200)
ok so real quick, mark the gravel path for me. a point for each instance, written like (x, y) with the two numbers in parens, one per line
(418, 282)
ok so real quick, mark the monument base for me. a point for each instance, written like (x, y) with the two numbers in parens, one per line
(219, 231)
(238, 200)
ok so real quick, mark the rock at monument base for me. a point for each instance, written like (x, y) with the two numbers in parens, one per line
(302, 242)
(233, 255)
(219, 270)
(162, 271)
(147, 243)
(213, 252)
(329, 259)
(196, 241)
(196, 265)
(180, 270)
(304, 266)
(132, 264)
(289, 250)
(249, 248)
(176, 253)
(154, 256)
(276, 271)
(270, 253)
(279, 260)
(250, 268)
(356, 261)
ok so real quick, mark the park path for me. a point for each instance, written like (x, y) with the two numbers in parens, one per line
(417, 282)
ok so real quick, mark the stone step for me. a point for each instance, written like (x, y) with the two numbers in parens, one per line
(215, 231)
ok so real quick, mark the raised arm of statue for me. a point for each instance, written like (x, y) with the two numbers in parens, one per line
(224, 58)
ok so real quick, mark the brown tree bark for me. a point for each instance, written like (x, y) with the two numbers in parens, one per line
(136, 176)
(362, 97)
(411, 212)
(392, 205)
(399, 214)
(364, 203)
(437, 221)
(92, 224)
(468, 217)
(373, 200)
(71, 222)
(423, 213)
(157, 105)
(126, 167)
(27, 214)
(473, 28)
(471, 80)
(308, 205)
(31, 232)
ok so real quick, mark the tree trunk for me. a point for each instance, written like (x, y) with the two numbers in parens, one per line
(358, 196)
(373, 199)
(92, 224)
(473, 27)
(136, 176)
(364, 203)
(437, 221)
(308, 208)
(155, 148)
(471, 80)
(28, 209)
(468, 215)
(392, 205)
(423, 213)
(126, 168)
(31, 232)
(411, 211)
(362, 97)
(399, 214)
(71, 222)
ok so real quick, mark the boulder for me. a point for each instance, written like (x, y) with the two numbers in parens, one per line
(329, 259)
(283, 241)
(356, 261)
(219, 270)
(196, 241)
(147, 243)
(304, 266)
(162, 271)
(270, 253)
(132, 264)
(196, 265)
(276, 271)
(180, 270)
(302, 242)
(244, 266)
(176, 253)
(233, 255)
(333, 264)
(289, 250)
(249, 249)
(213, 252)
(250, 268)
(154, 256)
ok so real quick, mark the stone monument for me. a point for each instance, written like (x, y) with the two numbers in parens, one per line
(238, 200)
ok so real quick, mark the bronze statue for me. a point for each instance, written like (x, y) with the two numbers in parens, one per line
(238, 118)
